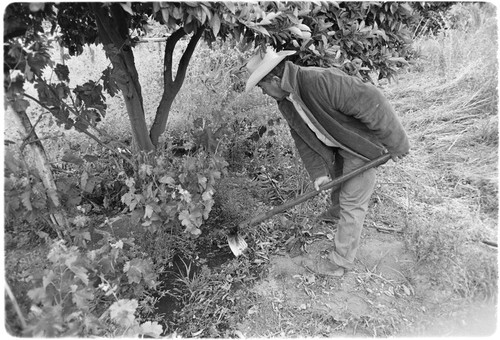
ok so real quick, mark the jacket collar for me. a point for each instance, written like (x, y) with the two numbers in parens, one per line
(289, 79)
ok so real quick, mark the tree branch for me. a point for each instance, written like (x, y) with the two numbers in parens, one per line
(26, 140)
(16, 305)
(89, 134)
(186, 57)
(490, 243)
(168, 57)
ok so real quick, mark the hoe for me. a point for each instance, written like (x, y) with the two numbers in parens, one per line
(238, 244)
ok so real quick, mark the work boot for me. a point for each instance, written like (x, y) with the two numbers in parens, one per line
(322, 266)
(330, 215)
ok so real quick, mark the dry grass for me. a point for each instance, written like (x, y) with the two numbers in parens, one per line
(448, 189)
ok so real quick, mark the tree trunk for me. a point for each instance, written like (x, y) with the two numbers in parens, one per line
(161, 117)
(172, 86)
(113, 32)
(42, 165)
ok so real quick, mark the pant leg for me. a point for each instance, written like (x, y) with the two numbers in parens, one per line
(354, 197)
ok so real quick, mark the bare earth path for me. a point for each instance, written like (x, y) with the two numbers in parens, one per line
(385, 294)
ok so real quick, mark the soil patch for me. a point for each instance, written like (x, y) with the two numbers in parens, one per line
(378, 297)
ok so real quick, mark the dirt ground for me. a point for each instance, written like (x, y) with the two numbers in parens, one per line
(386, 294)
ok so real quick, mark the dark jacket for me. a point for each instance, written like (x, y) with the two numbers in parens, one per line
(355, 114)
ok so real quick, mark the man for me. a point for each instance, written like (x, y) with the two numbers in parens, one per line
(338, 123)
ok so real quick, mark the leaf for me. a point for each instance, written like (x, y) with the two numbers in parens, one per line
(215, 24)
(381, 17)
(122, 312)
(156, 7)
(148, 211)
(202, 180)
(62, 72)
(72, 262)
(207, 13)
(127, 7)
(109, 83)
(151, 329)
(190, 26)
(62, 91)
(406, 7)
(25, 199)
(398, 60)
(185, 218)
(130, 182)
(83, 179)
(82, 298)
(36, 6)
(165, 14)
(303, 27)
(133, 271)
(207, 195)
(136, 269)
(167, 180)
(90, 158)
(90, 185)
(260, 30)
(117, 245)
(145, 170)
(230, 6)
(20, 105)
(135, 216)
(37, 294)
(12, 204)
(185, 195)
(70, 157)
(106, 264)
(177, 13)
(296, 31)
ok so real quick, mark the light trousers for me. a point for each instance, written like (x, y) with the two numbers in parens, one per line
(352, 197)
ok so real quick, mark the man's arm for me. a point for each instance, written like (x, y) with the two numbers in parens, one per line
(366, 103)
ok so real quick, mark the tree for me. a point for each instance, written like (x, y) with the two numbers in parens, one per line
(15, 103)
(114, 24)
(324, 34)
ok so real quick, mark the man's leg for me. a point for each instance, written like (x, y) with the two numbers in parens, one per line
(333, 212)
(354, 197)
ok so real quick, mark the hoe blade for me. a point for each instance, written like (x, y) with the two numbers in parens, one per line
(237, 244)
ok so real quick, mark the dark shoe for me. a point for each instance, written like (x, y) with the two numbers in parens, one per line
(294, 246)
(322, 266)
(330, 215)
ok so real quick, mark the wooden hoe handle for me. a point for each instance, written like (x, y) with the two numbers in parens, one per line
(304, 197)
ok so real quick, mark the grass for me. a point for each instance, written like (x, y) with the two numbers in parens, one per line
(448, 104)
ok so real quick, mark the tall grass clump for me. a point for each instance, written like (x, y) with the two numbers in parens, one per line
(449, 106)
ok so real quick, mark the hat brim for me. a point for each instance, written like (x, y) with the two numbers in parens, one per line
(264, 69)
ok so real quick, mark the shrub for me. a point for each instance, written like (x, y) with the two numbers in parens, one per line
(95, 292)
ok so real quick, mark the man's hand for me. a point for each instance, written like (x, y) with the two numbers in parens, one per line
(320, 181)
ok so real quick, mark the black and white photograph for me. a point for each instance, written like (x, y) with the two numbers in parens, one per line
(250, 169)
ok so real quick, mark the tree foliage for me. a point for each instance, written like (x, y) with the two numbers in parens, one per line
(324, 34)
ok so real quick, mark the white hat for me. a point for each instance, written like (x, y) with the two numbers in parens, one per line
(259, 66)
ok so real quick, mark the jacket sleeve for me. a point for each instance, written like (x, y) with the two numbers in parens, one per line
(366, 103)
(313, 162)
